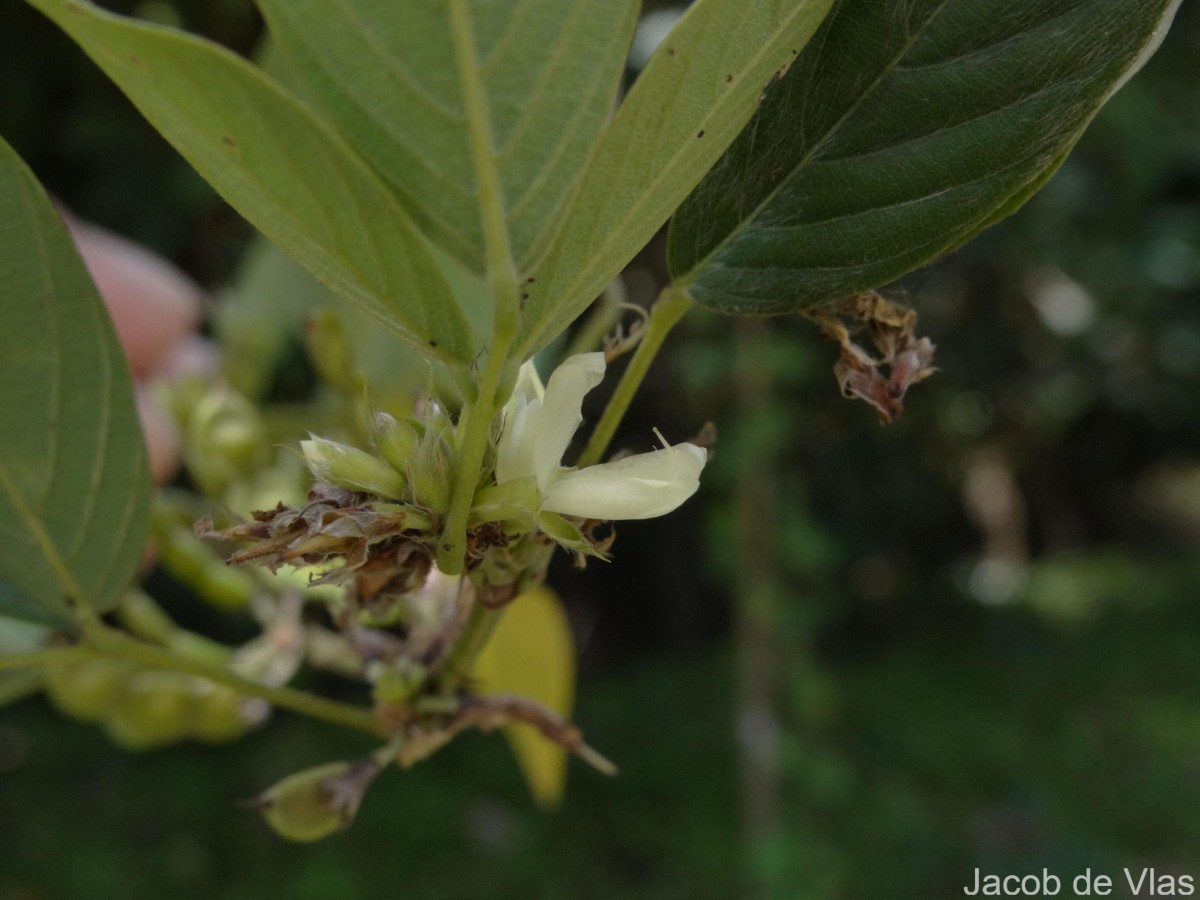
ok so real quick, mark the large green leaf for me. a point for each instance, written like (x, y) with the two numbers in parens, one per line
(698, 91)
(74, 481)
(904, 129)
(282, 168)
(385, 72)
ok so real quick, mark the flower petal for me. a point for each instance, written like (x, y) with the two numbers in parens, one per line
(514, 453)
(528, 385)
(561, 411)
(636, 487)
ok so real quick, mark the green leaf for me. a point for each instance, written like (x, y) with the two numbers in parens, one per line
(531, 654)
(902, 131)
(74, 480)
(15, 605)
(698, 91)
(385, 72)
(282, 168)
(262, 314)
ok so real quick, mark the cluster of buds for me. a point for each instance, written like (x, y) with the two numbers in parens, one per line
(141, 708)
(372, 518)
(371, 526)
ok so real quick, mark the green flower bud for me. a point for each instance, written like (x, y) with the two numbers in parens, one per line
(181, 396)
(155, 708)
(317, 802)
(87, 689)
(397, 682)
(225, 438)
(395, 440)
(223, 715)
(432, 468)
(350, 468)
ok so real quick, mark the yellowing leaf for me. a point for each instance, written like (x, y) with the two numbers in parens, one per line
(531, 654)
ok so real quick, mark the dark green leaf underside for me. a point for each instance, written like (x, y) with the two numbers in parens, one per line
(901, 131)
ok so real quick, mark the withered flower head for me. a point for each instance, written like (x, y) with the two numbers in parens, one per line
(381, 549)
(907, 358)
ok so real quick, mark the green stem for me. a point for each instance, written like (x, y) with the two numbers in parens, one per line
(475, 423)
(599, 322)
(101, 638)
(481, 622)
(666, 313)
(39, 658)
(145, 619)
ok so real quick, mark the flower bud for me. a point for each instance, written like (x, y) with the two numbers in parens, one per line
(432, 469)
(351, 468)
(87, 689)
(223, 714)
(397, 682)
(395, 440)
(154, 708)
(313, 804)
(225, 438)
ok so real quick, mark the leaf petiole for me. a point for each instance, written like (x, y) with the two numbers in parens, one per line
(668, 310)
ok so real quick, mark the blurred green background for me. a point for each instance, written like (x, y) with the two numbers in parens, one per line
(862, 663)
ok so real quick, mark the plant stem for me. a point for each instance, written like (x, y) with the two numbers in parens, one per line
(104, 640)
(481, 622)
(475, 423)
(666, 313)
(39, 658)
(145, 619)
(600, 321)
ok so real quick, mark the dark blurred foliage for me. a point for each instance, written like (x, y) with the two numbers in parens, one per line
(981, 629)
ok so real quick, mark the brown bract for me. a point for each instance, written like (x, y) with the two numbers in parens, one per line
(378, 547)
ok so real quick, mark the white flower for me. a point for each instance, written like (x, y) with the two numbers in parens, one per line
(538, 426)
